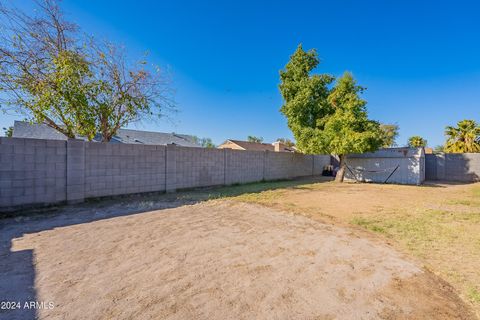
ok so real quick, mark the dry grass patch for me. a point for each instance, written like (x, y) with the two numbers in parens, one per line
(438, 224)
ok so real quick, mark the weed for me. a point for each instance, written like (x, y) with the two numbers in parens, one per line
(474, 294)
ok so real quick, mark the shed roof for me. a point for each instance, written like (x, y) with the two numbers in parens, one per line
(404, 152)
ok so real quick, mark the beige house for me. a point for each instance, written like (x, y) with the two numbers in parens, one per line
(256, 146)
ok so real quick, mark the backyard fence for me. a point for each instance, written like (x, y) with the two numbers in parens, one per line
(40, 172)
(462, 167)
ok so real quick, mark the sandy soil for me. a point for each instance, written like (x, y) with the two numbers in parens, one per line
(438, 223)
(213, 260)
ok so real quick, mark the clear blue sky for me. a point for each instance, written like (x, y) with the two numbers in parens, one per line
(420, 60)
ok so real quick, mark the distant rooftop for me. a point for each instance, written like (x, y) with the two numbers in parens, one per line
(254, 146)
(23, 129)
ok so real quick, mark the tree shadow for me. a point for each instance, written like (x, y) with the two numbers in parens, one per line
(453, 167)
(442, 183)
(17, 268)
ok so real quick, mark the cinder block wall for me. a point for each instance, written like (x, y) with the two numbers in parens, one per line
(198, 167)
(462, 167)
(280, 165)
(430, 167)
(244, 166)
(115, 169)
(42, 172)
(320, 161)
(32, 171)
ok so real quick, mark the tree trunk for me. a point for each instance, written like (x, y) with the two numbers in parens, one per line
(66, 131)
(341, 171)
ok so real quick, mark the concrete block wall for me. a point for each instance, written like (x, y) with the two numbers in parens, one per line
(430, 167)
(462, 167)
(115, 169)
(41, 172)
(199, 167)
(32, 171)
(319, 162)
(286, 165)
(75, 179)
(244, 166)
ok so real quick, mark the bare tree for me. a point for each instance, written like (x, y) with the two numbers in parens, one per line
(52, 73)
(128, 92)
(42, 69)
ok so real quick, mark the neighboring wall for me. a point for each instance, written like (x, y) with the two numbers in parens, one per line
(32, 171)
(281, 165)
(462, 167)
(197, 167)
(41, 172)
(115, 169)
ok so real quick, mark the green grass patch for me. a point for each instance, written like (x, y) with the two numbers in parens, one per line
(474, 295)
(370, 224)
(423, 230)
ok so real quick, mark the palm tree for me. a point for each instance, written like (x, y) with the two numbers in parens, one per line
(390, 134)
(463, 138)
(416, 142)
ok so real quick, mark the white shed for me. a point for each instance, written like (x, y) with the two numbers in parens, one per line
(391, 165)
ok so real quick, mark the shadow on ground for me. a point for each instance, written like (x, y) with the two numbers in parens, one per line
(17, 268)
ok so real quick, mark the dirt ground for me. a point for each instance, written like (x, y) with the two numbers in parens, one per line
(439, 224)
(219, 259)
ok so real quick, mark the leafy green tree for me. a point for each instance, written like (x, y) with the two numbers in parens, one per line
(416, 142)
(439, 148)
(52, 74)
(287, 142)
(207, 143)
(464, 138)
(43, 72)
(8, 132)
(390, 134)
(324, 120)
(254, 139)
(204, 142)
(305, 99)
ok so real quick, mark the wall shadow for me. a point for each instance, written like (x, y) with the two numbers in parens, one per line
(17, 282)
(17, 268)
(459, 167)
(462, 167)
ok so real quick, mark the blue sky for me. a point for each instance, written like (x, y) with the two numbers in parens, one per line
(420, 60)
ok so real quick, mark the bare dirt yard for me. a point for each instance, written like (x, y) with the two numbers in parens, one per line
(438, 224)
(289, 250)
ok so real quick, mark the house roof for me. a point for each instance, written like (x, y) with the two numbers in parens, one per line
(253, 146)
(155, 138)
(23, 129)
